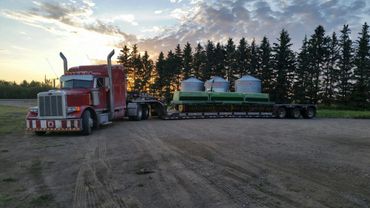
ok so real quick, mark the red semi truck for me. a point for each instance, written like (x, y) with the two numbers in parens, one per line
(89, 96)
(95, 95)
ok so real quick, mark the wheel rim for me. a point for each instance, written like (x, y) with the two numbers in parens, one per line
(282, 113)
(311, 113)
(296, 113)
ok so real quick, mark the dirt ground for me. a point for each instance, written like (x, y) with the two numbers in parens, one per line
(192, 163)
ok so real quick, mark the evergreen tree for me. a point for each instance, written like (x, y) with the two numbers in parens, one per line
(219, 60)
(345, 65)
(187, 61)
(178, 66)
(199, 62)
(362, 71)
(284, 65)
(209, 69)
(318, 49)
(242, 57)
(162, 77)
(146, 73)
(301, 74)
(230, 63)
(330, 71)
(253, 67)
(266, 71)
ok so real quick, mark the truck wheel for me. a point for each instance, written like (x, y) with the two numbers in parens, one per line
(87, 123)
(40, 133)
(295, 113)
(139, 114)
(145, 114)
(309, 113)
(281, 112)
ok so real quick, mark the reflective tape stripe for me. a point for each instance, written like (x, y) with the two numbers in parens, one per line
(33, 124)
(76, 124)
(68, 124)
(28, 124)
(58, 124)
(43, 124)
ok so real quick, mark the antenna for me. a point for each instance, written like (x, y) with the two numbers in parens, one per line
(51, 67)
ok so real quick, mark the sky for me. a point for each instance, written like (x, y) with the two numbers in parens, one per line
(32, 33)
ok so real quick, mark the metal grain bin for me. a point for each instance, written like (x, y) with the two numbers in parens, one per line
(248, 84)
(217, 84)
(192, 85)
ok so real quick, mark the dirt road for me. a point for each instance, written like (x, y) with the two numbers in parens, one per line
(192, 163)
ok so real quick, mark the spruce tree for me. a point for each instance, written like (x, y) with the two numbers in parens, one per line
(147, 72)
(266, 70)
(345, 65)
(208, 71)
(242, 57)
(161, 78)
(330, 71)
(284, 64)
(301, 75)
(187, 61)
(199, 62)
(219, 60)
(361, 89)
(230, 63)
(253, 66)
(318, 49)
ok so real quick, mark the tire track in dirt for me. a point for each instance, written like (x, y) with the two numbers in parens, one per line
(303, 180)
(234, 198)
(93, 188)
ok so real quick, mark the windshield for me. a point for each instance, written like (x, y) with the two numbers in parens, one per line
(75, 83)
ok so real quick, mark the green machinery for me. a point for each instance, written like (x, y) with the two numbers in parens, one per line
(221, 102)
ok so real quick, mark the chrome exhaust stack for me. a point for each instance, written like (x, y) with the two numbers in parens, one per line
(65, 63)
(111, 88)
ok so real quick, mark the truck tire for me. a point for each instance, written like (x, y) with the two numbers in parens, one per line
(87, 123)
(139, 114)
(40, 133)
(281, 112)
(145, 114)
(295, 113)
(309, 113)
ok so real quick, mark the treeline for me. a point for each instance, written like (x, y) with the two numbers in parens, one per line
(24, 90)
(328, 69)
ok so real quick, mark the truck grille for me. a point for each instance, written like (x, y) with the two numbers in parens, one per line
(51, 105)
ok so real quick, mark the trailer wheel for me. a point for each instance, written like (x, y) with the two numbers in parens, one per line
(309, 113)
(139, 114)
(145, 114)
(40, 133)
(281, 112)
(295, 113)
(87, 123)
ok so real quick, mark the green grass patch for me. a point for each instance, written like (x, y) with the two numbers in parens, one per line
(42, 200)
(333, 113)
(4, 199)
(9, 180)
(12, 119)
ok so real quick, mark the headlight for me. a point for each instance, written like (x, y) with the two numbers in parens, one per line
(34, 109)
(73, 109)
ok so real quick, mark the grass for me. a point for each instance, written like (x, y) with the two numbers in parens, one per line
(42, 200)
(4, 199)
(12, 119)
(334, 113)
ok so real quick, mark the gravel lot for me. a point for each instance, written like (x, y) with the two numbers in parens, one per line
(192, 163)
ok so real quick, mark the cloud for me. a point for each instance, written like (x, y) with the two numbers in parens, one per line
(219, 20)
(129, 18)
(68, 17)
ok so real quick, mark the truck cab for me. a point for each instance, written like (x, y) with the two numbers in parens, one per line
(89, 96)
